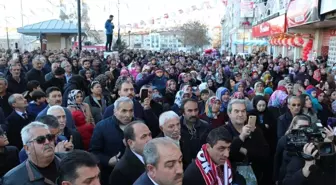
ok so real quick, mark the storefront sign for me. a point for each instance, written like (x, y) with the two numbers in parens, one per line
(302, 12)
(270, 27)
(327, 6)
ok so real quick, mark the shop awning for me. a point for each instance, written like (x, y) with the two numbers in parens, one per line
(251, 42)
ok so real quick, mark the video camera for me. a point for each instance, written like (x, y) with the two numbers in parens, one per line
(297, 138)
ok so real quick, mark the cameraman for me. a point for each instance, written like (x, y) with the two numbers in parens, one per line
(281, 158)
(314, 169)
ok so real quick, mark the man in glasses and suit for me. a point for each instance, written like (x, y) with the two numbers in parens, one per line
(42, 163)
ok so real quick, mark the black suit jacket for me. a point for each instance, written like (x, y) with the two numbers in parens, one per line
(143, 180)
(14, 127)
(127, 170)
(185, 149)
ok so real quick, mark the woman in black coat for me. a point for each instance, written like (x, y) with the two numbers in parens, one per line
(266, 124)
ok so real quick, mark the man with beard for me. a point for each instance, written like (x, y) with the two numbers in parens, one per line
(41, 166)
(163, 160)
(171, 128)
(107, 139)
(193, 130)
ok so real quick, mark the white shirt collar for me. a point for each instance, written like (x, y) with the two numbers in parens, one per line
(20, 113)
(139, 157)
(152, 180)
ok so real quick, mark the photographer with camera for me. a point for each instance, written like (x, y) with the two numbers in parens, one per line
(281, 158)
(316, 162)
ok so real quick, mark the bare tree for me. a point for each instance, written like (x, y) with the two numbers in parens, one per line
(72, 17)
(194, 34)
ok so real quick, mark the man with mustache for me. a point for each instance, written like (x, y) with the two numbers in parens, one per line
(42, 163)
(107, 139)
(163, 160)
(194, 131)
(54, 97)
(142, 111)
(171, 128)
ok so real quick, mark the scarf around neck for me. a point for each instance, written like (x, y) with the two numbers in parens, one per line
(209, 170)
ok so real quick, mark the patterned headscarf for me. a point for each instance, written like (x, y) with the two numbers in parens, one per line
(238, 95)
(72, 98)
(179, 96)
(208, 107)
(278, 98)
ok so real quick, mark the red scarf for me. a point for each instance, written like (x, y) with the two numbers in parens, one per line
(209, 170)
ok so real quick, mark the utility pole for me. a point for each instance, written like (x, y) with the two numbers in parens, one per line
(22, 36)
(4, 7)
(79, 22)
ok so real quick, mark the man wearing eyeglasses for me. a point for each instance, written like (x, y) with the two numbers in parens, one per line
(42, 164)
(294, 108)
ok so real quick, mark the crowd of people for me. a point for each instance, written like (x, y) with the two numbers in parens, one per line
(165, 118)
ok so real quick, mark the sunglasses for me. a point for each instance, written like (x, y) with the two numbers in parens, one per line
(42, 139)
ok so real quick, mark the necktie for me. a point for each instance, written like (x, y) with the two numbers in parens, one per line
(24, 115)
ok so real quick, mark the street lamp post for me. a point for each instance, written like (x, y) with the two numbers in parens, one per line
(79, 23)
(129, 38)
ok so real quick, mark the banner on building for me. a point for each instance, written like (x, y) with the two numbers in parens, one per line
(270, 27)
(246, 8)
(327, 6)
(301, 12)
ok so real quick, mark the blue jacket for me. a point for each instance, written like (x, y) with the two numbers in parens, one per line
(109, 27)
(35, 109)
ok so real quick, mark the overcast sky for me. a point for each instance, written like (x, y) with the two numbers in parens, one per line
(131, 11)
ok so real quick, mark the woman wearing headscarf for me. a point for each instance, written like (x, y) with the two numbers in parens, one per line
(277, 101)
(75, 103)
(181, 95)
(75, 82)
(96, 101)
(266, 124)
(224, 95)
(170, 92)
(212, 113)
(259, 88)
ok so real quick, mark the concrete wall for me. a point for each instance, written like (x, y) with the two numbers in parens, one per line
(58, 42)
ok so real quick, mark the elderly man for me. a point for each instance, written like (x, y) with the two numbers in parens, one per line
(171, 128)
(109, 132)
(36, 72)
(17, 119)
(248, 141)
(16, 82)
(68, 70)
(79, 168)
(42, 164)
(4, 95)
(50, 75)
(71, 135)
(131, 165)
(163, 160)
(142, 111)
